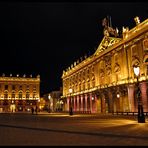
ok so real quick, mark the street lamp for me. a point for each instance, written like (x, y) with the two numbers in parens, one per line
(70, 106)
(118, 95)
(141, 117)
(49, 97)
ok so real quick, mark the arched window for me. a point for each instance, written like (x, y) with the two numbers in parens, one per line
(34, 94)
(20, 95)
(13, 95)
(6, 95)
(145, 44)
(27, 95)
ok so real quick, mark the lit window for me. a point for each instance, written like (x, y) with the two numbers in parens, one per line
(13, 95)
(27, 95)
(20, 95)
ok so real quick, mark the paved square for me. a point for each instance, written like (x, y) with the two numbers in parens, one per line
(60, 129)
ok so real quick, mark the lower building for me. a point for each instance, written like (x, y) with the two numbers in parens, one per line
(19, 93)
(54, 103)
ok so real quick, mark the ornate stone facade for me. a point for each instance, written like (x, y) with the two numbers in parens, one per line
(96, 81)
(19, 93)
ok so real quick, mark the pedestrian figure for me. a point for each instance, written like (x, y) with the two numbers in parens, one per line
(71, 111)
(32, 110)
(36, 109)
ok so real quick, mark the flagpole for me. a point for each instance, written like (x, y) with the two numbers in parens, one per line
(110, 21)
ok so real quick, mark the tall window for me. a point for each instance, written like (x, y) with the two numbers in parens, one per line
(13, 95)
(80, 87)
(34, 95)
(20, 88)
(27, 95)
(93, 83)
(20, 95)
(13, 87)
(27, 87)
(83, 85)
(6, 87)
(134, 50)
(5, 95)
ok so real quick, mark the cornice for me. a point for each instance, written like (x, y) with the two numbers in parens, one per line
(19, 79)
(128, 40)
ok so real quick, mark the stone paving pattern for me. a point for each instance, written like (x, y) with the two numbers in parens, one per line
(61, 129)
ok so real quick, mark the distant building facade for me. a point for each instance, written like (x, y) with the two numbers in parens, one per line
(54, 102)
(41, 104)
(105, 81)
(19, 93)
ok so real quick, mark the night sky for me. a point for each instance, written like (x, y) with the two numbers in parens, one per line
(46, 38)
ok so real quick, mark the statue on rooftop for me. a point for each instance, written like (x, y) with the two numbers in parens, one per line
(108, 30)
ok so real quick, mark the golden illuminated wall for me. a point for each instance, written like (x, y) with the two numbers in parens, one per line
(112, 65)
(80, 81)
(16, 87)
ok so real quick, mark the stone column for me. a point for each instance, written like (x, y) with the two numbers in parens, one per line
(143, 88)
(68, 103)
(110, 110)
(85, 102)
(90, 99)
(103, 105)
(81, 102)
(78, 105)
(95, 104)
(74, 99)
(131, 98)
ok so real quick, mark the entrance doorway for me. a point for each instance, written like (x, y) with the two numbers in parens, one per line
(12, 107)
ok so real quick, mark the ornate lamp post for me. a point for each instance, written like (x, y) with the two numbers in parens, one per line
(118, 100)
(141, 117)
(49, 97)
(70, 103)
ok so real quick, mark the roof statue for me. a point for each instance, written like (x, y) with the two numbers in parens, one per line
(137, 20)
(108, 30)
(110, 36)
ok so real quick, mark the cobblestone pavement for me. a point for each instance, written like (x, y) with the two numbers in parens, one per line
(61, 129)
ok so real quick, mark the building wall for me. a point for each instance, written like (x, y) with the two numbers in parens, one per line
(19, 93)
(109, 72)
(54, 103)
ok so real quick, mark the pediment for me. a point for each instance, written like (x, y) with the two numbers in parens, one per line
(106, 43)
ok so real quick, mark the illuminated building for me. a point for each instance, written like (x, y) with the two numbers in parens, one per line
(41, 104)
(19, 93)
(54, 101)
(105, 82)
